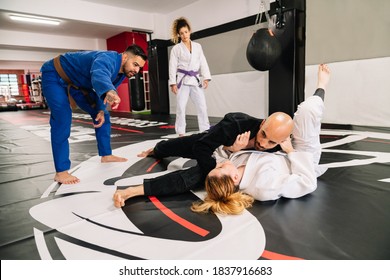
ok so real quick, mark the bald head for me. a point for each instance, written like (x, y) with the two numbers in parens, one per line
(275, 129)
(279, 125)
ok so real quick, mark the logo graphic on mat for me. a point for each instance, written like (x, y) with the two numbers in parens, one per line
(80, 221)
(86, 224)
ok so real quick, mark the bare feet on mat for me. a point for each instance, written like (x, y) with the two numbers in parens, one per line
(146, 153)
(65, 178)
(323, 76)
(112, 158)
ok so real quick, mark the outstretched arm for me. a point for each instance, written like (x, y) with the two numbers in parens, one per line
(120, 196)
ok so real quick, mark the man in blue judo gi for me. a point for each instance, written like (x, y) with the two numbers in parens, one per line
(89, 80)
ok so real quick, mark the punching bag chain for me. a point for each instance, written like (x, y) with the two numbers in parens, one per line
(264, 7)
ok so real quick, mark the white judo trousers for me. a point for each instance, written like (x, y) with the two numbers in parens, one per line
(307, 128)
(197, 96)
(187, 70)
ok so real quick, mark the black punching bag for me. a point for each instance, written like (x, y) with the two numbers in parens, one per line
(137, 98)
(263, 50)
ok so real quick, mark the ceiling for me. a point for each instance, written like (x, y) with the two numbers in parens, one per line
(151, 6)
(95, 30)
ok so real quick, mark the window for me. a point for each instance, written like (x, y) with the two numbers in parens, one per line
(9, 85)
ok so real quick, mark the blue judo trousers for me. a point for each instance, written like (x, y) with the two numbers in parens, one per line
(96, 72)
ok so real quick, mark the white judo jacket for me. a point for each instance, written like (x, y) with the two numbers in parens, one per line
(270, 176)
(182, 58)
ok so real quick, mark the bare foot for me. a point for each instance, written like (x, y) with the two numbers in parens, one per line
(120, 196)
(323, 76)
(65, 178)
(148, 152)
(112, 158)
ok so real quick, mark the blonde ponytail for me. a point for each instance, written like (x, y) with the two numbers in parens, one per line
(232, 205)
(222, 197)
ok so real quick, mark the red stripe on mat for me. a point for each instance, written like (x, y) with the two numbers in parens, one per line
(114, 127)
(126, 129)
(152, 166)
(190, 226)
(275, 256)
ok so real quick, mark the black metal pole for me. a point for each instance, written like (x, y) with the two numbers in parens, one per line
(158, 76)
(287, 77)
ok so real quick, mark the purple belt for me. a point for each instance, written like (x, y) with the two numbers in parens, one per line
(188, 73)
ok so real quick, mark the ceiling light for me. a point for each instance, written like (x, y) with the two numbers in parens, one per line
(33, 19)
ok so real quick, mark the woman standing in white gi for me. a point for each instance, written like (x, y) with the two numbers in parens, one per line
(187, 68)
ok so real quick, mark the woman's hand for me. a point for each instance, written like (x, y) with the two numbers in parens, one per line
(205, 84)
(174, 89)
(286, 145)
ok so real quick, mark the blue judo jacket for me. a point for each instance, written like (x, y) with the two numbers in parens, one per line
(96, 71)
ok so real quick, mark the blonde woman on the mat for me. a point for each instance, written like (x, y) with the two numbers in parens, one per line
(246, 176)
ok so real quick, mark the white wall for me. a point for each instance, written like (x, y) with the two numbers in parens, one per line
(358, 93)
(239, 92)
(204, 13)
(347, 30)
(27, 66)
